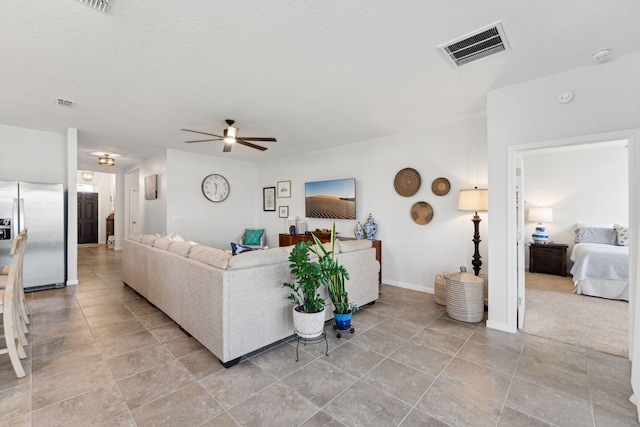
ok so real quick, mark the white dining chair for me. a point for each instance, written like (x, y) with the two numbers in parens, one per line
(11, 316)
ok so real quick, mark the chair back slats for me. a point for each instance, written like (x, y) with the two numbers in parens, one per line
(11, 313)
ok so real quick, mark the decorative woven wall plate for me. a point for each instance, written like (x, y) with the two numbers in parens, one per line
(440, 186)
(407, 182)
(421, 213)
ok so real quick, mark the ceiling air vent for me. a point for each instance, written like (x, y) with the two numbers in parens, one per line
(63, 102)
(479, 44)
(101, 5)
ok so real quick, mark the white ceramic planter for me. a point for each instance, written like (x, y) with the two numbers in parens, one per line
(308, 325)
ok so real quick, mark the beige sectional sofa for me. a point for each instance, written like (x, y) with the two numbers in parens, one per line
(233, 305)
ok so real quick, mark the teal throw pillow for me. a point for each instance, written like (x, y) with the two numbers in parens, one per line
(252, 237)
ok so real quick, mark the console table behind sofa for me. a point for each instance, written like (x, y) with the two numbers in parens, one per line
(292, 239)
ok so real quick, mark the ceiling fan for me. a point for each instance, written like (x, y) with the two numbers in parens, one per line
(230, 137)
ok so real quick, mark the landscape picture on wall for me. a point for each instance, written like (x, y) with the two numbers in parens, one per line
(335, 199)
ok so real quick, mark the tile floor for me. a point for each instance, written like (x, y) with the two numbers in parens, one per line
(101, 355)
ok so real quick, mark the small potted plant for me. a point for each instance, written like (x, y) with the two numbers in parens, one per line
(308, 312)
(334, 276)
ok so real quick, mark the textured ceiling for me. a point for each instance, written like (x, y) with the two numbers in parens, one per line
(312, 74)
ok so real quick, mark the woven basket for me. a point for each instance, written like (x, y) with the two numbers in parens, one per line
(485, 279)
(438, 290)
(464, 294)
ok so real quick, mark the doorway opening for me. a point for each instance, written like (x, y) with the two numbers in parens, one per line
(87, 217)
(96, 206)
(577, 186)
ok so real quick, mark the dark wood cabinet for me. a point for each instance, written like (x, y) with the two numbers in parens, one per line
(548, 258)
(110, 227)
(292, 239)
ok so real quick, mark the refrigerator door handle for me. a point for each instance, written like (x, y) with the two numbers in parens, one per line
(22, 226)
(14, 226)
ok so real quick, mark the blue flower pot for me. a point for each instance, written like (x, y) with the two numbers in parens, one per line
(343, 321)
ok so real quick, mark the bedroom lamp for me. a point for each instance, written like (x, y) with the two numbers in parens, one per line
(540, 215)
(474, 200)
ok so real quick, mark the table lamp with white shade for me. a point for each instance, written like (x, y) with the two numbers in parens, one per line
(540, 215)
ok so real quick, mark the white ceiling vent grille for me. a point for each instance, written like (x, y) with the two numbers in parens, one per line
(63, 102)
(479, 44)
(101, 5)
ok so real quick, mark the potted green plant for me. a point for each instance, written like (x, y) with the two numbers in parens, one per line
(308, 312)
(333, 276)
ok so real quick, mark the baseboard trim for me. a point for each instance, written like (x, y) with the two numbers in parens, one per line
(408, 286)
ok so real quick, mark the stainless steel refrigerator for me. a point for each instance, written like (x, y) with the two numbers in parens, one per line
(40, 209)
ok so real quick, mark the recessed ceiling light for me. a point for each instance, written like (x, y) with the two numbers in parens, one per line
(565, 97)
(601, 55)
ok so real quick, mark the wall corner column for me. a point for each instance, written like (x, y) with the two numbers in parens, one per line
(72, 207)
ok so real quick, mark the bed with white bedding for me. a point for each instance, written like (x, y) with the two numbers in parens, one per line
(601, 270)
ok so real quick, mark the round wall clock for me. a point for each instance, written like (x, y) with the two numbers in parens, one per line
(215, 188)
(407, 182)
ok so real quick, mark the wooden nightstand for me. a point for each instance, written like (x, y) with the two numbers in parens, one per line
(548, 258)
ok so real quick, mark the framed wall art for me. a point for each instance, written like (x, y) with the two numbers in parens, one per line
(284, 189)
(151, 187)
(283, 211)
(269, 199)
(335, 199)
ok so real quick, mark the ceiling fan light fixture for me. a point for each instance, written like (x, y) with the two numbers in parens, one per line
(230, 134)
(106, 160)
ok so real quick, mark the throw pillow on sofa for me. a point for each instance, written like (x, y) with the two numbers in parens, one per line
(252, 237)
(238, 249)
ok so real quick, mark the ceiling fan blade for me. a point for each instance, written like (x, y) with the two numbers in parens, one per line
(204, 133)
(248, 144)
(204, 140)
(257, 138)
(227, 147)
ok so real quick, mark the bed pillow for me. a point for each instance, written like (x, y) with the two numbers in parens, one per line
(622, 235)
(605, 236)
(587, 225)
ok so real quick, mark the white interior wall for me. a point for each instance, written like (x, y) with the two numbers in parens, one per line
(606, 101)
(589, 184)
(131, 183)
(22, 147)
(196, 218)
(153, 213)
(72, 208)
(412, 254)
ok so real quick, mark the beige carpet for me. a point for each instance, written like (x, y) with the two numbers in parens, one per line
(553, 311)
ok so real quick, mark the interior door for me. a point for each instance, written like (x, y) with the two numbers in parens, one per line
(134, 214)
(87, 217)
(520, 240)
